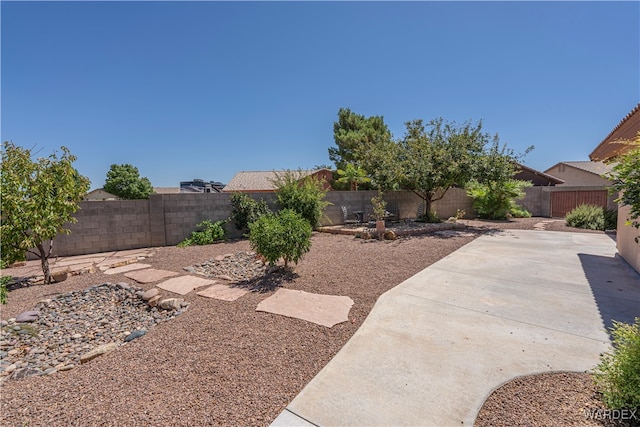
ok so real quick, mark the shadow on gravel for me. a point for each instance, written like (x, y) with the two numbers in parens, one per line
(274, 278)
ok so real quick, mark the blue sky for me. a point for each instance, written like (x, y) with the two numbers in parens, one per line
(207, 89)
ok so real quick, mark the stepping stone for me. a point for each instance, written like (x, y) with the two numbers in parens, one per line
(124, 268)
(325, 310)
(184, 284)
(78, 261)
(74, 268)
(222, 292)
(150, 275)
(115, 262)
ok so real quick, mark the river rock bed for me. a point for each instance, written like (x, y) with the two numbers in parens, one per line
(63, 330)
(237, 267)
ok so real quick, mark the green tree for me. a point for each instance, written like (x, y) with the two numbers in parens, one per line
(38, 197)
(435, 159)
(354, 135)
(245, 210)
(352, 175)
(626, 180)
(125, 182)
(286, 235)
(304, 195)
(497, 199)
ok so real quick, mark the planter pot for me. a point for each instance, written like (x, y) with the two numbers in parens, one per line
(380, 229)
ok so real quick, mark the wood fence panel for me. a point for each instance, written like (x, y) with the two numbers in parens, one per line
(563, 202)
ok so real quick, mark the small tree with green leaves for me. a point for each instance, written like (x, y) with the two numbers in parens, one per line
(304, 195)
(125, 182)
(286, 235)
(38, 198)
(352, 175)
(245, 210)
(626, 180)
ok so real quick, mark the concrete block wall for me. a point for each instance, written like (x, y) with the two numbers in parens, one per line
(167, 219)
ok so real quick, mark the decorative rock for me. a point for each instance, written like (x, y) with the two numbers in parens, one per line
(65, 368)
(60, 276)
(225, 277)
(123, 285)
(50, 371)
(154, 301)
(190, 270)
(27, 316)
(11, 368)
(98, 351)
(150, 294)
(170, 303)
(134, 335)
(389, 235)
(25, 372)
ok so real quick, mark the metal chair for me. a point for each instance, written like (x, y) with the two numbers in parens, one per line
(345, 217)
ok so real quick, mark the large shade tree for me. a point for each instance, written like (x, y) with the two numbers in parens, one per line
(437, 157)
(38, 197)
(125, 182)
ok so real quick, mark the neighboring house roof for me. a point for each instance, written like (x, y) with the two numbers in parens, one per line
(537, 177)
(597, 168)
(100, 194)
(166, 190)
(615, 144)
(260, 180)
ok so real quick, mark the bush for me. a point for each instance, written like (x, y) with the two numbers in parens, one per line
(497, 200)
(245, 210)
(304, 196)
(286, 235)
(617, 376)
(213, 231)
(4, 293)
(592, 217)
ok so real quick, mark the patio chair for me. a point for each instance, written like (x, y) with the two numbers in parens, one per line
(353, 220)
(393, 213)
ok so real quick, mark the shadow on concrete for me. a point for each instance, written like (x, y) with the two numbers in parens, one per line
(615, 287)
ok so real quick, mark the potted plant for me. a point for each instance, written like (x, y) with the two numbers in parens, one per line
(379, 213)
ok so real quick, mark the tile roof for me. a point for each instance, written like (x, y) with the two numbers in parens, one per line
(614, 143)
(259, 180)
(598, 168)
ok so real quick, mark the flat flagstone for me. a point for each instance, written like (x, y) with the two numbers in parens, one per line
(76, 261)
(325, 310)
(75, 268)
(184, 284)
(124, 268)
(222, 292)
(115, 262)
(150, 275)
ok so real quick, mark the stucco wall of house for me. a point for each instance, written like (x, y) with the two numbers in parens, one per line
(628, 248)
(576, 177)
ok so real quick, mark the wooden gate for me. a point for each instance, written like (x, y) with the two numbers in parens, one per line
(563, 202)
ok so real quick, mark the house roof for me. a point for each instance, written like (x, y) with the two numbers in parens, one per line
(166, 190)
(259, 180)
(552, 179)
(596, 168)
(614, 143)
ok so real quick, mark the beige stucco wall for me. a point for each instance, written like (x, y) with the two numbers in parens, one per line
(573, 177)
(625, 238)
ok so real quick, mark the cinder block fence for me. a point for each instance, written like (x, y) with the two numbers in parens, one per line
(167, 219)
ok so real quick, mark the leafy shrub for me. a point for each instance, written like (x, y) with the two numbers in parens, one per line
(304, 196)
(617, 376)
(286, 235)
(245, 210)
(592, 217)
(4, 293)
(430, 217)
(213, 231)
(497, 199)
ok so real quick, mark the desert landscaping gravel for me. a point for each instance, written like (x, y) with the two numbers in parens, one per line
(221, 362)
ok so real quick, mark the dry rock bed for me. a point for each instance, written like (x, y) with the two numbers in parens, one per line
(217, 362)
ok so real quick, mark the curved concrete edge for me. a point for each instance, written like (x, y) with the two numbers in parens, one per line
(505, 305)
(517, 378)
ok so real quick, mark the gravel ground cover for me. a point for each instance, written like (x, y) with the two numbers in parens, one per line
(221, 362)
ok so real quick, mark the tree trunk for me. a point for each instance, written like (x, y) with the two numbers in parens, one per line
(44, 261)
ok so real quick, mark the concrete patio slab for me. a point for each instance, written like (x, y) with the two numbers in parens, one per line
(507, 304)
(184, 284)
(222, 292)
(125, 268)
(325, 310)
(149, 275)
